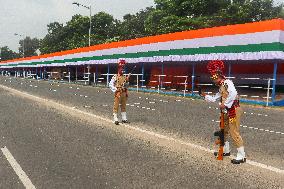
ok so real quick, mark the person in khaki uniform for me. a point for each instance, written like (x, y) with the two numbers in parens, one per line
(229, 104)
(118, 86)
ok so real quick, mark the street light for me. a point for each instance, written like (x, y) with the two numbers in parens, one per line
(23, 43)
(90, 9)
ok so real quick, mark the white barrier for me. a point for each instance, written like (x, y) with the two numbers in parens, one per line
(159, 83)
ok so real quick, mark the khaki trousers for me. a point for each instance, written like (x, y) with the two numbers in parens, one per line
(233, 128)
(120, 98)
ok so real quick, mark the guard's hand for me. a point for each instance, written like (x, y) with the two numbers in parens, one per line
(202, 94)
(114, 89)
(222, 106)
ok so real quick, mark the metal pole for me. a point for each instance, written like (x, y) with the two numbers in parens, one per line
(90, 9)
(95, 77)
(36, 73)
(159, 84)
(76, 74)
(162, 74)
(268, 88)
(89, 74)
(137, 82)
(84, 74)
(274, 82)
(142, 74)
(90, 29)
(192, 78)
(24, 48)
(107, 74)
(230, 68)
(185, 86)
(44, 73)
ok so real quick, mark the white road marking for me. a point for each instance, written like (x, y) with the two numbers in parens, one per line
(59, 106)
(255, 128)
(17, 168)
(248, 113)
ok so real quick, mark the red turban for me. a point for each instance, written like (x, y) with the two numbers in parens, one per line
(216, 68)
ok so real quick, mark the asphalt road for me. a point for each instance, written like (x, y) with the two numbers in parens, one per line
(61, 148)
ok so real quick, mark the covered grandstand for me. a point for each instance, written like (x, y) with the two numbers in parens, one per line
(175, 63)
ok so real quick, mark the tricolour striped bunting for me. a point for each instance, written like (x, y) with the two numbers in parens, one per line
(252, 41)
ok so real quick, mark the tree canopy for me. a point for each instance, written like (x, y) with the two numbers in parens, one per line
(167, 16)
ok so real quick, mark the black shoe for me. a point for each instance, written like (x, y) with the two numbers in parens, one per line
(217, 133)
(116, 122)
(234, 161)
(125, 121)
(224, 154)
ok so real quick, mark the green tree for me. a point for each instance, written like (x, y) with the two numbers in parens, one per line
(28, 47)
(191, 8)
(179, 15)
(134, 26)
(104, 27)
(54, 40)
(75, 33)
(7, 54)
(242, 11)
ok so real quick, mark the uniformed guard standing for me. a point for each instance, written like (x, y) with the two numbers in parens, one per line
(229, 104)
(118, 86)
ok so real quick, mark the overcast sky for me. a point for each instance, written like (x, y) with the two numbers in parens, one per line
(30, 17)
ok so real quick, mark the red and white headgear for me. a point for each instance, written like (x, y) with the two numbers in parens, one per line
(216, 68)
(121, 64)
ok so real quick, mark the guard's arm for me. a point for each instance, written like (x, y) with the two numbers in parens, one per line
(213, 98)
(111, 84)
(232, 94)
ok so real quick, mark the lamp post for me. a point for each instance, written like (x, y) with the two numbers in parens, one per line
(90, 9)
(23, 43)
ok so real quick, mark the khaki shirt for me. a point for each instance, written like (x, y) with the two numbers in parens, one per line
(118, 82)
